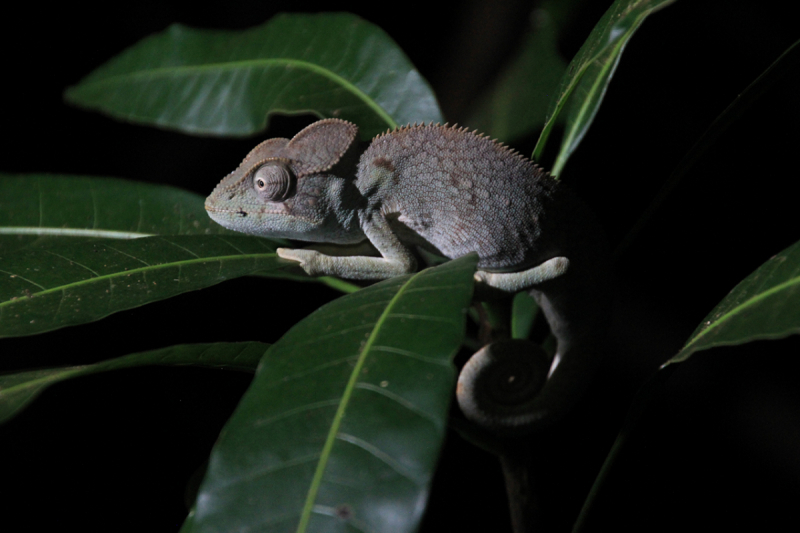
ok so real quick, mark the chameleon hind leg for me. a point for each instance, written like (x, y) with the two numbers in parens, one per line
(506, 386)
(514, 282)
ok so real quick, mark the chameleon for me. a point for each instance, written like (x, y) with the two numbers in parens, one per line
(448, 191)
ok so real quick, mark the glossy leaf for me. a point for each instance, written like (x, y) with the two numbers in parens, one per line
(41, 209)
(584, 84)
(343, 424)
(765, 305)
(18, 390)
(45, 288)
(517, 102)
(227, 82)
(35, 207)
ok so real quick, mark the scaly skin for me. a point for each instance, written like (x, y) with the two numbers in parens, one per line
(451, 192)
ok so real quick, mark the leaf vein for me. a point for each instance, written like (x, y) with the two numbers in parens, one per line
(407, 353)
(128, 255)
(23, 279)
(401, 401)
(297, 410)
(384, 457)
(176, 245)
(312, 370)
(72, 261)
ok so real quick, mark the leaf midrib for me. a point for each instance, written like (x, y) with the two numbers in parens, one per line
(736, 310)
(337, 419)
(232, 65)
(548, 126)
(72, 232)
(148, 268)
(615, 49)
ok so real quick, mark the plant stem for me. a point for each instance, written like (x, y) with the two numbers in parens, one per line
(524, 505)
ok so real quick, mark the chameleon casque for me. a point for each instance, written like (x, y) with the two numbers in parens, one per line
(451, 192)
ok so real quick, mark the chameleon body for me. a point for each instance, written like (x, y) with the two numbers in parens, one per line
(445, 190)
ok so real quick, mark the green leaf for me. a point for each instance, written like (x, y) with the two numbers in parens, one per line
(523, 312)
(37, 207)
(344, 421)
(765, 305)
(517, 103)
(45, 288)
(227, 82)
(18, 390)
(588, 75)
(41, 210)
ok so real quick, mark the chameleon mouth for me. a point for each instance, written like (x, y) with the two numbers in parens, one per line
(218, 217)
(271, 208)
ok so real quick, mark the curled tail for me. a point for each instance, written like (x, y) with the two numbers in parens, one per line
(512, 386)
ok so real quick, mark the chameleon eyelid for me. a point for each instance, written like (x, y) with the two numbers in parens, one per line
(278, 184)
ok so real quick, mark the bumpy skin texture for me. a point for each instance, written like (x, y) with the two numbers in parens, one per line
(460, 192)
(444, 189)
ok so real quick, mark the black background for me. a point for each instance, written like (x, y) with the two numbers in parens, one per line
(718, 448)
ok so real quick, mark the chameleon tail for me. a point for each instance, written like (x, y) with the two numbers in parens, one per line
(512, 386)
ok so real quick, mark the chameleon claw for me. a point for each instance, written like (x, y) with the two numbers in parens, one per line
(309, 259)
(286, 253)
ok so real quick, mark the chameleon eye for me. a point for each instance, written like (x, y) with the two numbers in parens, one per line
(273, 181)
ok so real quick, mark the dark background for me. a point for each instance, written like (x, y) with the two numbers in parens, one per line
(719, 446)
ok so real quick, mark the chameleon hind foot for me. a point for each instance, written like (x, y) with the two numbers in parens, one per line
(519, 281)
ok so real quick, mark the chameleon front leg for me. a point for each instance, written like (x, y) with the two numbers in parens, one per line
(396, 258)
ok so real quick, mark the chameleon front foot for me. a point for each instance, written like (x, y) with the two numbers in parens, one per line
(348, 267)
(310, 260)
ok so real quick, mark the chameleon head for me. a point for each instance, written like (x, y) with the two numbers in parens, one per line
(283, 187)
(262, 200)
